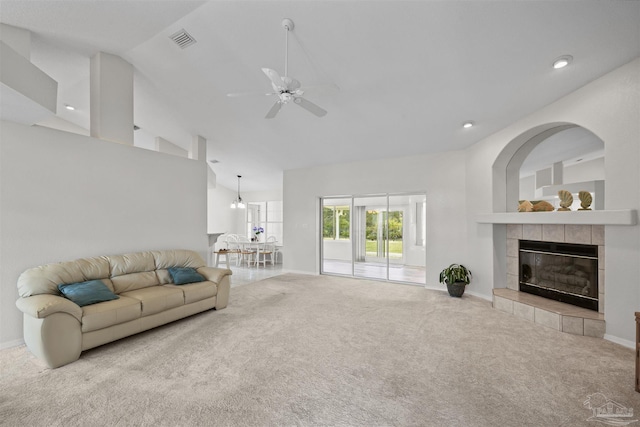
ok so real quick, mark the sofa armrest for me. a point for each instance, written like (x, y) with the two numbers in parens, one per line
(43, 305)
(219, 276)
(214, 274)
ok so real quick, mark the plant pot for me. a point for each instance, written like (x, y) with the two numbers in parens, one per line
(456, 289)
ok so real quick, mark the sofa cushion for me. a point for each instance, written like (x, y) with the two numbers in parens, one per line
(164, 278)
(131, 263)
(155, 299)
(133, 281)
(105, 314)
(46, 278)
(178, 258)
(184, 275)
(196, 291)
(86, 293)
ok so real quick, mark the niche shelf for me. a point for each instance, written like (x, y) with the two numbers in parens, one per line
(606, 217)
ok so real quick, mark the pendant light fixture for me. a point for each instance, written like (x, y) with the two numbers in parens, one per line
(238, 203)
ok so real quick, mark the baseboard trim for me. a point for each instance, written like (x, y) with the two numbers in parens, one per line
(621, 341)
(481, 296)
(443, 288)
(11, 344)
(306, 273)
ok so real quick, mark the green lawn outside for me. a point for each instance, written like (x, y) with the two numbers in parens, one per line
(395, 247)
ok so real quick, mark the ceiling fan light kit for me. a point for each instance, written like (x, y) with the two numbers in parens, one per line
(285, 87)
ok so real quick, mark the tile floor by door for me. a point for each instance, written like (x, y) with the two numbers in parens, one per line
(243, 274)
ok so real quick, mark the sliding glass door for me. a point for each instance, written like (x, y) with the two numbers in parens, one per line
(370, 232)
(336, 236)
(376, 236)
(407, 238)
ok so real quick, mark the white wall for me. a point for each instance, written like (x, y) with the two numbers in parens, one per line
(262, 196)
(65, 196)
(609, 107)
(223, 219)
(441, 176)
(168, 147)
(220, 217)
(143, 139)
(590, 170)
(528, 188)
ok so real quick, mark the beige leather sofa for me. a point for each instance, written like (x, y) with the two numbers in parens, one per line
(57, 330)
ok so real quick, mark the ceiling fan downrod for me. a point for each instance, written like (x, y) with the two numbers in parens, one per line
(287, 24)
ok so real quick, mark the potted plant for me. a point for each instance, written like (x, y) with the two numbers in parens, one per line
(257, 231)
(456, 277)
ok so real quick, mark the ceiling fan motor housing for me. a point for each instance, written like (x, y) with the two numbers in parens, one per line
(287, 24)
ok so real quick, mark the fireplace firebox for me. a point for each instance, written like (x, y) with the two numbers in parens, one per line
(563, 272)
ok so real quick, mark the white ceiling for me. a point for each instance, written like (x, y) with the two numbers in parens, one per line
(409, 73)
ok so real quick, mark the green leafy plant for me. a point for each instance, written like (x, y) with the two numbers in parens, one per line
(455, 273)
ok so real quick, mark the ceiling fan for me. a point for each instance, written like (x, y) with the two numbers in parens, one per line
(286, 88)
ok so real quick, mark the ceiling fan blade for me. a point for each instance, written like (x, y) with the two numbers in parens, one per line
(275, 78)
(321, 88)
(239, 94)
(274, 110)
(310, 107)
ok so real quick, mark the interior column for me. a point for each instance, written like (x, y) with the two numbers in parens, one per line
(111, 92)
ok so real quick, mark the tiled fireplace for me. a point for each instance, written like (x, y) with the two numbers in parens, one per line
(548, 312)
(565, 272)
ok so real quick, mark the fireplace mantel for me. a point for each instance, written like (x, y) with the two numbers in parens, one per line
(606, 217)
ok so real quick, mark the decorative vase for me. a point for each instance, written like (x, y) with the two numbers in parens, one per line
(456, 289)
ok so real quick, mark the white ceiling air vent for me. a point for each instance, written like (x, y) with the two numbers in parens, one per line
(182, 38)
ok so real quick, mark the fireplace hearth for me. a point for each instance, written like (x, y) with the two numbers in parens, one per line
(564, 272)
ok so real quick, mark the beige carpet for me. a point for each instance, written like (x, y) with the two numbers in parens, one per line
(320, 350)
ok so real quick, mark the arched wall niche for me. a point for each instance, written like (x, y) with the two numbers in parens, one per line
(506, 168)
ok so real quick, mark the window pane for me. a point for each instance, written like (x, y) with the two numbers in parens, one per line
(274, 211)
(262, 211)
(253, 213)
(420, 221)
(344, 221)
(336, 246)
(275, 229)
(328, 221)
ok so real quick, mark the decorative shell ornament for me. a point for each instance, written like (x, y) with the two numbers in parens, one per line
(542, 206)
(525, 206)
(566, 199)
(585, 200)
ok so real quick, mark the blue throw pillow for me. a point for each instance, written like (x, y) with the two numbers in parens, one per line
(184, 275)
(85, 293)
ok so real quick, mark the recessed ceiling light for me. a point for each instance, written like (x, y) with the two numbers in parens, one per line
(69, 107)
(562, 62)
(467, 125)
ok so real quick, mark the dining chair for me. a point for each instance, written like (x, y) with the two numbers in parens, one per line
(220, 247)
(273, 240)
(265, 252)
(234, 247)
(247, 252)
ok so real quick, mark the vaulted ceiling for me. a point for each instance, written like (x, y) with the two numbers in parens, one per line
(409, 73)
